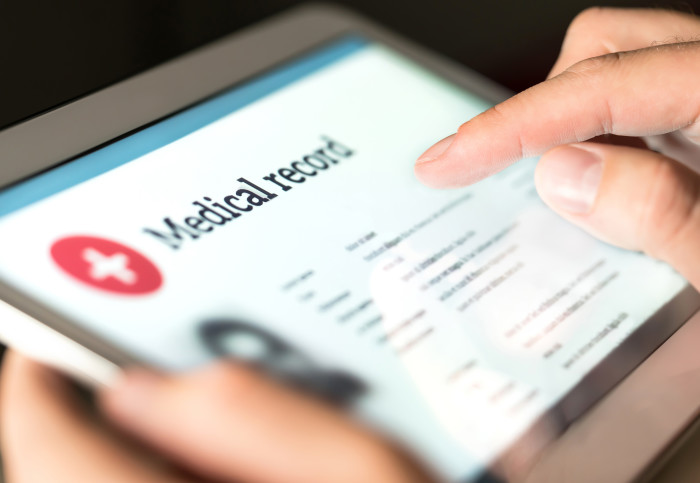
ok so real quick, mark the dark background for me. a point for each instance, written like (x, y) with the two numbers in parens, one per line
(54, 51)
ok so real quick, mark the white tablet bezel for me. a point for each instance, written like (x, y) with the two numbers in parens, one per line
(64, 133)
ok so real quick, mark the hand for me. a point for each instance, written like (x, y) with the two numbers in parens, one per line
(623, 72)
(223, 423)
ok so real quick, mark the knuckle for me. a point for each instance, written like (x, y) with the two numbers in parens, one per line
(586, 20)
(492, 117)
(596, 66)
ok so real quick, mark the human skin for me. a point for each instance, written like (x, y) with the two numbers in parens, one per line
(623, 72)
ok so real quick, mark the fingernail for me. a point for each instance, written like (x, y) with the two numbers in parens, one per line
(132, 392)
(570, 178)
(436, 150)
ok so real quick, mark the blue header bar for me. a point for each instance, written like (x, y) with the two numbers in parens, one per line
(172, 128)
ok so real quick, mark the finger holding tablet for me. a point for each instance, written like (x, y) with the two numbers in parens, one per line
(225, 422)
(236, 425)
(636, 198)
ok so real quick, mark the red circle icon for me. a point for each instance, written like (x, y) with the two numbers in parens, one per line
(106, 265)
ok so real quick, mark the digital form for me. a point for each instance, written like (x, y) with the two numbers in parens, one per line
(288, 213)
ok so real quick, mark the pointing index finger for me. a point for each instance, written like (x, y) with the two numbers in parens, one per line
(637, 93)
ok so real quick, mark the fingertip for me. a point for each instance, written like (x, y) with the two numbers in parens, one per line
(236, 375)
(430, 175)
(434, 152)
(142, 399)
(481, 147)
(445, 165)
(567, 179)
(430, 166)
(450, 173)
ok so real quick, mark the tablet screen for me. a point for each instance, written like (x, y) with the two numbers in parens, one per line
(280, 222)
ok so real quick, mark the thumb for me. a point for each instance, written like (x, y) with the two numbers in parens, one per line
(230, 423)
(634, 198)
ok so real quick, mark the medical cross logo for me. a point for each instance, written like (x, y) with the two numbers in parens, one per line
(106, 265)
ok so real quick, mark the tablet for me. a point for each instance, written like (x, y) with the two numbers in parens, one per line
(256, 200)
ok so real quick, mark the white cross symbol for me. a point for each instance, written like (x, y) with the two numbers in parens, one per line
(103, 266)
